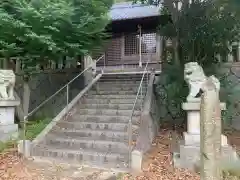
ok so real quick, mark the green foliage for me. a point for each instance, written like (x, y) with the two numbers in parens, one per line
(40, 31)
(33, 128)
(7, 145)
(172, 91)
(202, 28)
(199, 31)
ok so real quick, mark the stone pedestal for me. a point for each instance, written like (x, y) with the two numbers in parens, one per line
(192, 136)
(8, 130)
(187, 154)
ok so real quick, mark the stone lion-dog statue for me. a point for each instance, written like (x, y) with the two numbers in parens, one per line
(7, 83)
(195, 78)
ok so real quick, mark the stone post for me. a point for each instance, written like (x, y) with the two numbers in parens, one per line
(88, 74)
(210, 130)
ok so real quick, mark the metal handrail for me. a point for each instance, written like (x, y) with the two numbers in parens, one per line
(130, 133)
(44, 102)
(66, 85)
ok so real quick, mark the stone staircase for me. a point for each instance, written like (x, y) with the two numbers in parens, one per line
(96, 131)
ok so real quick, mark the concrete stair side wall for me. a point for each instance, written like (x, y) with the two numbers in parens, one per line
(149, 126)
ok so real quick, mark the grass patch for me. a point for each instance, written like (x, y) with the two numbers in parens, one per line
(33, 128)
(7, 145)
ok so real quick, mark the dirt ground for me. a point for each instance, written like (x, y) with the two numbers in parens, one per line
(157, 165)
(13, 167)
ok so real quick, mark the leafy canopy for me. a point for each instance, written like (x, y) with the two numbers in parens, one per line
(49, 29)
(201, 29)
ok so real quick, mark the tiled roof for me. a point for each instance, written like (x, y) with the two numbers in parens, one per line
(127, 10)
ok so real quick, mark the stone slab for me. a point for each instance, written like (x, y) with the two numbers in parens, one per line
(7, 115)
(194, 139)
(9, 103)
(8, 136)
(189, 156)
(195, 106)
(193, 122)
(5, 129)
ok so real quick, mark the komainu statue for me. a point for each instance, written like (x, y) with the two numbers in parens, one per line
(7, 83)
(195, 78)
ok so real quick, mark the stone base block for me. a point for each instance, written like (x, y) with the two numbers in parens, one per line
(8, 132)
(189, 156)
(194, 139)
(8, 128)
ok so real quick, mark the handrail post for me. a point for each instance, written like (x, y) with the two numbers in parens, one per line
(130, 140)
(140, 46)
(141, 98)
(147, 78)
(67, 95)
(24, 136)
(104, 60)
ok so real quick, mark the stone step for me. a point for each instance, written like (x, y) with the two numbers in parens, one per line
(123, 76)
(110, 92)
(86, 133)
(109, 106)
(95, 100)
(82, 156)
(119, 85)
(121, 168)
(127, 80)
(103, 119)
(122, 88)
(104, 145)
(94, 126)
(113, 112)
(112, 96)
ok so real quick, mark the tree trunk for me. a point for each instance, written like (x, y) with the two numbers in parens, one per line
(176, 52)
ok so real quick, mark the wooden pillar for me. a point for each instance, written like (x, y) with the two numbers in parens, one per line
(68, 62)
(60, 63)
(74, 62)
(122, 49)
(53, 65)
(158, 47)
(140, 45)
(218, 56)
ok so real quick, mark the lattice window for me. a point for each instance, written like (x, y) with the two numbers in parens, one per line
(149, 43)
(131, 43)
